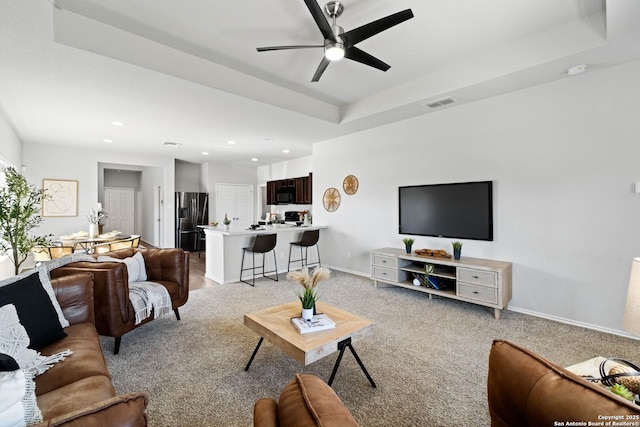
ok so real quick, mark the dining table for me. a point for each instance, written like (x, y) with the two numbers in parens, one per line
(82, 241)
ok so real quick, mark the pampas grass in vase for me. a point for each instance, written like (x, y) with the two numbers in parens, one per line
(309, 282)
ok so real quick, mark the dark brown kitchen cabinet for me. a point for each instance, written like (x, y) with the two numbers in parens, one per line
(301, 187)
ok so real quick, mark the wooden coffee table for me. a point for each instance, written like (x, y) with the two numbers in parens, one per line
(274, 325)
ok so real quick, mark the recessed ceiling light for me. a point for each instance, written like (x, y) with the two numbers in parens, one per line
(268, 139)
(231, 142)
(285, 151)
(117, 123)
(254, 159)
(107, 140)
(172, 144)
(205, 153)
(577, 69)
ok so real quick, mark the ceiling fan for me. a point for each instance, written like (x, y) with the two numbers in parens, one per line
(337, 43)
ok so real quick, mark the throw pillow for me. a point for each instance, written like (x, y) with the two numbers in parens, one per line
(14, 342)
(142, 276)
(18, 405)
(43, 274)
(35, 309)
(136, 269)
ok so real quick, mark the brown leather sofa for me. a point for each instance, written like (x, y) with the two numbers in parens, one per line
(306, 401)
(524, 389)
(78, 391)
(113, 311)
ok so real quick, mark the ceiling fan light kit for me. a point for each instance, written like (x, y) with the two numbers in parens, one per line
(337, 43)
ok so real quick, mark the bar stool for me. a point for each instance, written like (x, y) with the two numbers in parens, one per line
(309, 238)
(262, 244)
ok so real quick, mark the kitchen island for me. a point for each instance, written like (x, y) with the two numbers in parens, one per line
(224, 249)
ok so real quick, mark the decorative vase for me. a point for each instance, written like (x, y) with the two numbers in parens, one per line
(93, 230)
(307, 314)
(407, 247)
(456, 253)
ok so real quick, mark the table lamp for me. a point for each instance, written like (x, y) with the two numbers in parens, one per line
(631, 320)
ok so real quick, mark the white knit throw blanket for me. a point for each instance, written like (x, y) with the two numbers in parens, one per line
(146, 297)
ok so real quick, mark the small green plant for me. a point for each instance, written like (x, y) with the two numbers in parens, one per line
(457, 246)
(621, 390)
(226, 220)
(408, 241)
(308, 298)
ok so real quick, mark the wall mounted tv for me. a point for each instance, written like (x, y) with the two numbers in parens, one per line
(460, 210)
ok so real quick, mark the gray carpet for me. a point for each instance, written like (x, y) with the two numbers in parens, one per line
(428, 357)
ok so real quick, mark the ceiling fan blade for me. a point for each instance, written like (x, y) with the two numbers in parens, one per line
(372, 28)
(268, 48)
(363, 57)
(323, 66)
(321, 20)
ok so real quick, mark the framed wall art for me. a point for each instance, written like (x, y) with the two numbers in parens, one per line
(61, 197)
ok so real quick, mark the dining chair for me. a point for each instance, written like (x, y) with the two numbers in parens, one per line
(121, 244)
(59, 251)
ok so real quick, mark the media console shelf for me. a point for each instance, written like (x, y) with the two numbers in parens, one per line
(478, 281)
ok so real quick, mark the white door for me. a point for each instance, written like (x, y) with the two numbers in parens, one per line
(119, 205)
(236, 201)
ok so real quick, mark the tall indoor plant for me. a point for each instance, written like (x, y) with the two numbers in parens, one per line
(20, 205)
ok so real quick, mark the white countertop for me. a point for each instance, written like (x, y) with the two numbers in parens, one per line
(238, 231)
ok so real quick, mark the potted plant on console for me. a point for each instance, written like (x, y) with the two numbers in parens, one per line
(20, 205)
(408, 243)
(226, 221)
(457, 249)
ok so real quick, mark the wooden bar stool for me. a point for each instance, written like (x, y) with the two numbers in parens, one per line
(309, 238)
(262, 244)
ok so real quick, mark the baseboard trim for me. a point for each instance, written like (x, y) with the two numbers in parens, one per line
(574, 323)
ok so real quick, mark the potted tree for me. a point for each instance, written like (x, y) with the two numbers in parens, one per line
(20, 205)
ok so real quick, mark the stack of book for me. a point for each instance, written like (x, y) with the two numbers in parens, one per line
(319, 322)
(430, 281)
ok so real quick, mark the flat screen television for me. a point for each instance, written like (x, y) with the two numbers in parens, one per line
(459, 210)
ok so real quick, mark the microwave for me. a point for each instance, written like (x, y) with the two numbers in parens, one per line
(286, 196)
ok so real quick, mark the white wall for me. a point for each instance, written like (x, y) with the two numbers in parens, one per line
(10, 144)
(563, 157)
(47, 161)
(284, 170)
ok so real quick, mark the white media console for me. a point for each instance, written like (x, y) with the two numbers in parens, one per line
(478, 281)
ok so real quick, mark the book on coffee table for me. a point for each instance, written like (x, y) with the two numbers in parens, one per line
(319, 322)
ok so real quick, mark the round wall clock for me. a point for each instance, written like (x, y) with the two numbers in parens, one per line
(331, 199)
(350, 184)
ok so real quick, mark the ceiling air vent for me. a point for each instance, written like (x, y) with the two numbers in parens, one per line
(440, 102)
(172, 144)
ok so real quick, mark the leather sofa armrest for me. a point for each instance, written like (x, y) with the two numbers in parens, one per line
(128, 410)
(75, 296)
(265, 413)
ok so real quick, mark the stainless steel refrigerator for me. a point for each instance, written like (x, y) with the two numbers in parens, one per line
(192, 209)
